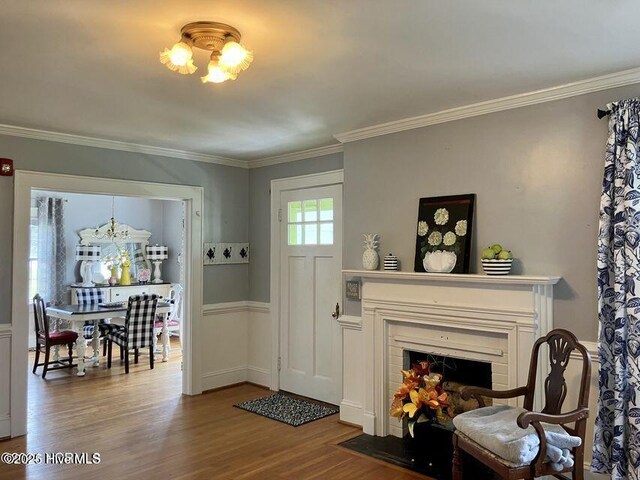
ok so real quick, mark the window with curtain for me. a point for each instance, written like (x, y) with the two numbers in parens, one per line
(33, 253)
(50, 250)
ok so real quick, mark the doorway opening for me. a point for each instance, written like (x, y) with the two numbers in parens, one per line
(149, 218)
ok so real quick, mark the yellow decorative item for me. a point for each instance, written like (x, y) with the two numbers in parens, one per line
(125, 264)
(125, 275)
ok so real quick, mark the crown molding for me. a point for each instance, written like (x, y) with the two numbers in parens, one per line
(292, 157)
(595, 84)
(14, 131)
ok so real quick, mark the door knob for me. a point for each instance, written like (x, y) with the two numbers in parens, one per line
(336, 313)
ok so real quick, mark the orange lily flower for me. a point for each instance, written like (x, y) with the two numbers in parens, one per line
(396, 408)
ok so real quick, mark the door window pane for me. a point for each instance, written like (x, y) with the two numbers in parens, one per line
(295, 234)
(311, 234)
(310, 210)
(326, 209)
(295, 211)
(326, 233)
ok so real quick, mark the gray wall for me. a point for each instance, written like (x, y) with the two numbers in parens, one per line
(172, 233)
(537, 173)
(225, 208)
(259, 214)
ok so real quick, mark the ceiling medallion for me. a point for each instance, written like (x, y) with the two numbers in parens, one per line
(228, 56)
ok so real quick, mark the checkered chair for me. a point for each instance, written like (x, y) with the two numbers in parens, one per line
(93, 296)
(137, 331)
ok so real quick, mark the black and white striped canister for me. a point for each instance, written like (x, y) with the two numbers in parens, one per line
(391, 262)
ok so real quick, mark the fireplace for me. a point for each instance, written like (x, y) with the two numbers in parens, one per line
(490, 320)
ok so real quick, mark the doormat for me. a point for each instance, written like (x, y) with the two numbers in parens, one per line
(430, 458)
(293, 411)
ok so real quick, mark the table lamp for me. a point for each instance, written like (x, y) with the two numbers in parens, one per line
(87, 254)
(157, 253)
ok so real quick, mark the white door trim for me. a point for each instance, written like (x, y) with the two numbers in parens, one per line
(278, 186)
(25, 181)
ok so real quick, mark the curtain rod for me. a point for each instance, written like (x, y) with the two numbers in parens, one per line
(603, 113)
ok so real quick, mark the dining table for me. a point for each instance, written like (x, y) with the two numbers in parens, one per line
(77, 315)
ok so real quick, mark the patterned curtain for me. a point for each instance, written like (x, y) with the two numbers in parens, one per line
(52, 258)
(616, 448)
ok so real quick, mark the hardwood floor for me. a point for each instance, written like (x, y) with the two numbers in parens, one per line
(144, 428)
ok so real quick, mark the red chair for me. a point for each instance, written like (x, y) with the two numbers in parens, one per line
(47, 339)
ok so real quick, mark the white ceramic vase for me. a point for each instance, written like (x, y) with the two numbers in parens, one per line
(439, 261)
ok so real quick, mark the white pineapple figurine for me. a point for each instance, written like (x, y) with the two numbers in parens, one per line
(370, 259)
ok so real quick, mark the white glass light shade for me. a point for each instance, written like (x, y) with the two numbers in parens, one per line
(235, 58)
(179, 58)
(216, 74)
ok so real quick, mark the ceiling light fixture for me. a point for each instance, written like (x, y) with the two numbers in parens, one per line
(228, 56)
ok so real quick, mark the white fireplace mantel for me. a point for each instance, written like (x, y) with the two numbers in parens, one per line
(494, 319)
(465, 278)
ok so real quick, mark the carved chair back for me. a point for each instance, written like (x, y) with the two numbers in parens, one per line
(40, 316)
(561, 344)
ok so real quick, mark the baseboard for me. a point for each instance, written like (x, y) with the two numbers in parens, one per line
(5, 426)
(259, 376)
(236, 375)
(223, 378)
(351, 412)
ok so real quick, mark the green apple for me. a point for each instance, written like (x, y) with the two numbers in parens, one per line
(497, 248)
(505, 255)
(488, 254)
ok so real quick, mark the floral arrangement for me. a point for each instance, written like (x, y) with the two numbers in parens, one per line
(420, 397)
(441, 235)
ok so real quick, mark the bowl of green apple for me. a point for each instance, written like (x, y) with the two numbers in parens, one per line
(496, 260)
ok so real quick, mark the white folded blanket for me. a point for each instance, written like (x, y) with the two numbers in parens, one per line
(495, 428)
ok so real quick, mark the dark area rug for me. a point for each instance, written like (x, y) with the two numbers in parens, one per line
(287, 409)
(431, 458)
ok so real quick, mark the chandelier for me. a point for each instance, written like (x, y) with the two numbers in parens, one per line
(228, 56)
(114, 232)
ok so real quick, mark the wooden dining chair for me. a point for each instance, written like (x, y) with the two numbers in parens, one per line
(47, 339)
(137, 331)
(561, 344)
(174, 320)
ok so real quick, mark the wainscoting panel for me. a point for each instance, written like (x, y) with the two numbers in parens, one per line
(236, 344)
(5, 379)
(259, 360)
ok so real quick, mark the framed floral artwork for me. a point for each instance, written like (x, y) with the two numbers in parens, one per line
(443, 241)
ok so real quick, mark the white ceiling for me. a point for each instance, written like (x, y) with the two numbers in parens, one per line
(321, 67)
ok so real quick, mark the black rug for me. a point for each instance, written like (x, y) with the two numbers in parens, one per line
(293, 411)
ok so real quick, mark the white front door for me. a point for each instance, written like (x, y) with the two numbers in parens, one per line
(310, 286)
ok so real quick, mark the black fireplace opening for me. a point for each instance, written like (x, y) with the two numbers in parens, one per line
(455, 370)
